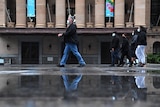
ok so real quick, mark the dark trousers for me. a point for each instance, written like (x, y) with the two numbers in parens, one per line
(115, 56)
(127, 54)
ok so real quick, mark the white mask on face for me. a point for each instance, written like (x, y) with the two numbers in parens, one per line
(132, 33)
(138, 30)
(113, 34)
(67, 22)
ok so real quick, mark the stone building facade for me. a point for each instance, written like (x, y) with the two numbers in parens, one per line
(33, 40)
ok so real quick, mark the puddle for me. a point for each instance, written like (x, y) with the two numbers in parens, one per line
(71, 87)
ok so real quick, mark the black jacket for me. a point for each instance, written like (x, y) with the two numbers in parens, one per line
(141, 39)
(125, 45)
(70, 36)
(115, 42)
(134, 42)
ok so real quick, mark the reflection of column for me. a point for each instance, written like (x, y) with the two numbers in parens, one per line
(20, 13)
(60, 13)
(119, 13)
(99, 13)
(80, 13)
(2, 13)
(40, 13)
(140, 13)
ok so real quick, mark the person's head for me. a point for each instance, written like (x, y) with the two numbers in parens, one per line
(124, 35)
(70, 20)
(138, 29)
(141, 28)
(134, 32)
(114, 34)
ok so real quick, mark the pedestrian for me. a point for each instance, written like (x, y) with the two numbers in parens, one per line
(114, 49)
(125, 51)
(71, 41)
(141, 45)
(133, 46)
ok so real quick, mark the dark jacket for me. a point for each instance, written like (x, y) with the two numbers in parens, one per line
(134, 42)
(141, 39)
(125, 45)
(115, 43)
(70, 36)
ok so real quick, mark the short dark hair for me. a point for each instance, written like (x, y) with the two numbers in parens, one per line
(143, 28)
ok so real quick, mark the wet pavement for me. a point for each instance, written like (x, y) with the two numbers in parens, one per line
(70, 86)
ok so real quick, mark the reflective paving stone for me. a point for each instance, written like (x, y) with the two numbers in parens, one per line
(91, 86)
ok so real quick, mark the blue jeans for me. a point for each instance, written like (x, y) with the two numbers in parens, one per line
(71, 47)
(115, 56)
(70, 83)
(71, 86)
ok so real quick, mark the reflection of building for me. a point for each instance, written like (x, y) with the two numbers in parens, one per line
(39, 44)
(53, 85)
(89, 86)
(31, 85)
(153, 84)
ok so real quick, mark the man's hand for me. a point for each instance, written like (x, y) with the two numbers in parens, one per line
(59, 35)
(112, 49)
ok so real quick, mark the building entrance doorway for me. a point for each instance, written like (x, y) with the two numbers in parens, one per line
(105, 53)
(30, 52)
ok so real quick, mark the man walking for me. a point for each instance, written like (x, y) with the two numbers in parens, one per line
(114, 49)
(71, 41)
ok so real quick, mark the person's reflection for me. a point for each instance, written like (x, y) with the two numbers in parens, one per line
(140, 80)
(137, 90)
(70, 82)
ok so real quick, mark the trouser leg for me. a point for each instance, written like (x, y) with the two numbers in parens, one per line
(75, 52)
(65, 55)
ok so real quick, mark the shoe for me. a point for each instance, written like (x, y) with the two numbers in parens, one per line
(60, 65)
(141, 65)
(111, 65)
(120, 65)
(130, 65)
(81, 65)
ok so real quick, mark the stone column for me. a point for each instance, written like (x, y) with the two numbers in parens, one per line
(60, 14)
(99, 14)
(148, 13)
(80, 13)
(2, 13)
(119, 13)
(139, 12)
(40, 13)
(20, 13)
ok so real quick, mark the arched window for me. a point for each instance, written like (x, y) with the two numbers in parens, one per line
(156, 48)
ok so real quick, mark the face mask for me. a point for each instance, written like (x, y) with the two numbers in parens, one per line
(138, 30)
(67, 22)
(113, 34)
(132, 33)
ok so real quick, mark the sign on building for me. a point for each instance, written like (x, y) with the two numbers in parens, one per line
(30, 8)
(109, 8)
